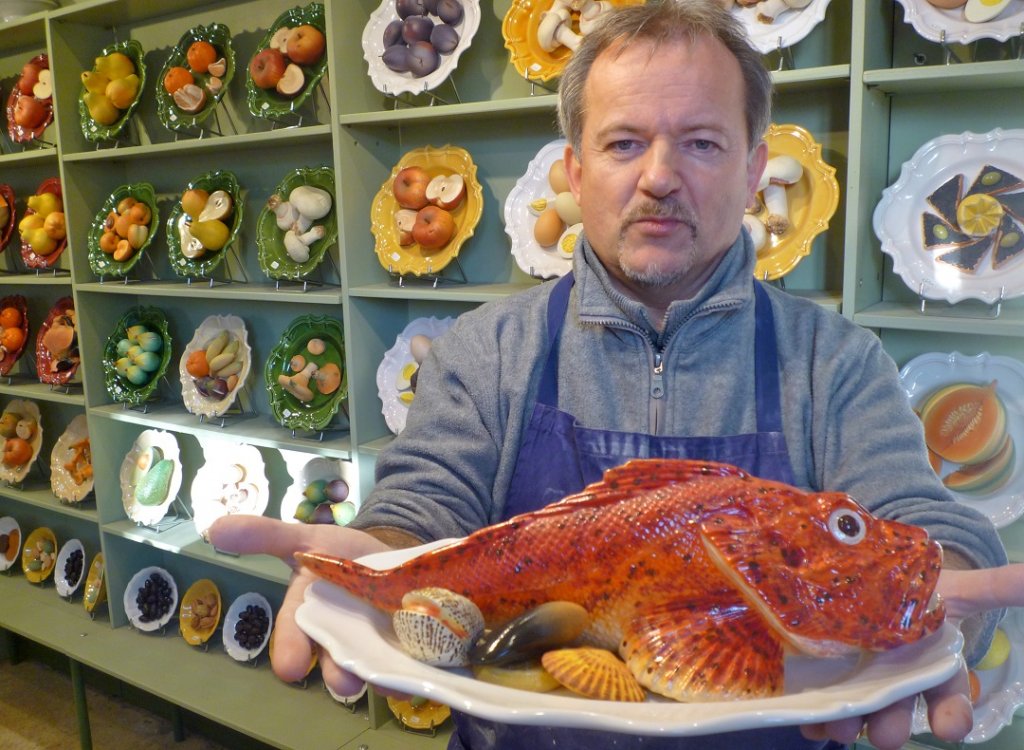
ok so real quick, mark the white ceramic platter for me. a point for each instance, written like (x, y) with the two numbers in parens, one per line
(931, 22)
(788, 29)
(234, 648)
(360, 639)
(395, 359)
(392, 83)
(67, 587)
(62, 482)
(928, 372)
(28, 409)
(195, 402)
(131, 608)
(148, 515)
(532, 258)
(304, 468)
(899, 216)
(7, 525)
(233, 480)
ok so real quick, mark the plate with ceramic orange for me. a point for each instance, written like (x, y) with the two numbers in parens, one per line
(972, 20)
(401, 254)
(22, 439)
(772, 25)
(42, 228)
(810, 196)
(13, 330)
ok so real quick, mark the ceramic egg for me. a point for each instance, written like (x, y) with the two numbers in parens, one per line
(980, 11)
(419, 347)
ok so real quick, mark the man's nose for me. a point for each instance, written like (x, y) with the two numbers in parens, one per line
(661, 175)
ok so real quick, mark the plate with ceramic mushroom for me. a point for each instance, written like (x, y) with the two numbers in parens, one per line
(43, 230)
(204, 223)
(964, 21)
(298, 224)
(71, 472)
(57, 356)
(13, 330)
(776, 24)
(195, 77)
(233, 480)
(398, 370)
(30, 104)
(22, 434)
(122, 229)
(797, 197)
(136, 355)
(150, 476)
(215, 365)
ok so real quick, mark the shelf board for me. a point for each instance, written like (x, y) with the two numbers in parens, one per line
(908, 317)
(30, 156)
(35, 279)
(259, 292)
(26, 387)
(373, 447)
(805, 79)
(41, 496)
(946, 79)
(441, 293)
(543, 103)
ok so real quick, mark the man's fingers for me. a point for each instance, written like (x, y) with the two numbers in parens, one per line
(844, 731)
(889, 728)
(341, 683)
(292, 650)
(950, 715)
(250, 535)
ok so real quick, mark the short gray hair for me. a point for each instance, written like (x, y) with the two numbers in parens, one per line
(660, 22)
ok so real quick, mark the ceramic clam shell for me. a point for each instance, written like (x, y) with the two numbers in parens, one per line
(437, 626)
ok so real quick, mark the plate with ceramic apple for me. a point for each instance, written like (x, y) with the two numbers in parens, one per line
(772, 25)
(71, 472)
(136, 355)
(13, 330)
(440, 32)
(298, 224)
(397, 372)
(42, 228)
(426, 210)
(150, 476)
(104, 113)
(318, 480)
(204, 223)
(10, 542)
(30, 104)
(967, 22)
(289, 62)
(57, 355)
(195, 77)
(123, 229)
(215, 365)
(7, 211)
(23, 439)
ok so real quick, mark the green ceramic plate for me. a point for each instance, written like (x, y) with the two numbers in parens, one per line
(120, 388)
(274, 260)
(93, 130)
(288, 409)
(267, 102)
(171, 115)
(103, 264)
(206, 263)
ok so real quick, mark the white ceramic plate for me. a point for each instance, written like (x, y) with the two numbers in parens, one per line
(148, 515)
(789, 28)
(390, 82)
(195, 402)
(395, 359)
(61, 482)
(924, 374)
(532, 258)
(132, 609)
(7, 525)
(66, 587)
(360, 639)
(30, 409)
(930, 22)
(233, 480)
(898, 216)
(304, 468)
(233, 647)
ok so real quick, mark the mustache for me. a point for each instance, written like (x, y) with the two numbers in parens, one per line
(663, 209)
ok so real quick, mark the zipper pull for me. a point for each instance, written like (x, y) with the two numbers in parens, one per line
(657, 384)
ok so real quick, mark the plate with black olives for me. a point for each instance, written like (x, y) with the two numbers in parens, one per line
(150, 599)
(247, 626)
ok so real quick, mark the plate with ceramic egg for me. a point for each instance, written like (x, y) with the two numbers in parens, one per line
(102, 117)
(70, 571)
(958, 22)
(204, 223)
(247, 626)
(215, 365)
(10, 542)
(233, 480)
(150, 599)
(30, 104)
(441, 32)
(71, 473)
(13, 330)
(57, 355)
(42, 228)
(772, 25)
(318, 480)
(23, 439)
(396, 374)
(195, 76)
(150, 476)
(122, 229)
(136, 355)
(7, 207)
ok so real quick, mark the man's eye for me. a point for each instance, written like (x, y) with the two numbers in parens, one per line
(622, 145)
(702, 145)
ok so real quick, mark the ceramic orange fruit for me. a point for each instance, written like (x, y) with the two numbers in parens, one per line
(10, 317)
(176, 78)
(196, 364)
(12, 339)
(200, 54)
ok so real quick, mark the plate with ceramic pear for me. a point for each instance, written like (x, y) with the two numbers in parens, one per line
(71, 472)
(136, 355)
(298, 224)
(7, 211)
(204, 223)
(233, 480)
(13, 330)
(122, 229)
(395, 68)
(42, 228)
(103, 117)
(215, 365)
(10, 542)
(772, 25)
(30, 104)
(150, 476)
(953, 222)
(203, 65)
(57, 355)
(971, 20)
(397, 372)
(22, 434)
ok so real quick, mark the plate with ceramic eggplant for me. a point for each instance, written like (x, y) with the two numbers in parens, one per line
(150, 476)
(42, 228)
(150, 599)
(298, 224)
(204, 223)
(232, 481)
(71, 473)
(397, 372)
(10, 542)
(57, 356)
(7, 211)
(70, 571)
(30, 103)
(967, 22)
(103, 116)
(305, 373)
(215, 365)
(247, 626)
(136, 355)
(195, 77)
(773, 25)
(13, 330)
(123, 229)
(22, 434)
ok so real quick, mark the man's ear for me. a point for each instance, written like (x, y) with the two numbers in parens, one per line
(573, 172)
(756, 162)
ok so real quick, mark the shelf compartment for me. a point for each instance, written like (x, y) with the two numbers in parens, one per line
(945, 79)
(43, 497)
(33, 390)
(908, 317)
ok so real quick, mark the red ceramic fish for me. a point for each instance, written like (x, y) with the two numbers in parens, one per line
(699, 575)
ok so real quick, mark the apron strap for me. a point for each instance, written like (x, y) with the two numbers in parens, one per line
(558, 305)
(766, 364)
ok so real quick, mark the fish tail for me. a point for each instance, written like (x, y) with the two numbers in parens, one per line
(379, 587)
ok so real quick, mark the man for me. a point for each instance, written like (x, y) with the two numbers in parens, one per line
(659, 344)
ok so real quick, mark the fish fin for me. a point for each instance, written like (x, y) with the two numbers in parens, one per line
(709, 648)
(365, 582)
(643, 474)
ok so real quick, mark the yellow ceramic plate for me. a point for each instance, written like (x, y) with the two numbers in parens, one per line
(200, 612)
(413, 258)
(812, 201)
(520, 31)
(39, 555)
(95, 584)
(425, 715)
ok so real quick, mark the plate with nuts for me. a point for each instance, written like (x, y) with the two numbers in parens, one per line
(200, 612)
(247, 626)
(10, 542)
(150, 598)
(39, 555)
(70, 571)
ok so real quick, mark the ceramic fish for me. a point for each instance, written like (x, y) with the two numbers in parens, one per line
(699, 575)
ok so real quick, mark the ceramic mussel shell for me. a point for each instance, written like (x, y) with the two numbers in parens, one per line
(548, 626)
(437, 626)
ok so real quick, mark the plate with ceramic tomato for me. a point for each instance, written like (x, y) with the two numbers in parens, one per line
(13, 330)
(23, 438)
(30, 104)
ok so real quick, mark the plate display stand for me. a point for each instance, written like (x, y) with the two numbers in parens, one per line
(226, 270)
(293, 117)
(154, 400)
(963, 309)
(406, 98)
(318, 281)
(240, 409)
(126, 279)
(177, 514)
(431, 278)
(186, 134)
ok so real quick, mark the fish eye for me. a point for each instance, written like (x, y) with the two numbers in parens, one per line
(846, 526)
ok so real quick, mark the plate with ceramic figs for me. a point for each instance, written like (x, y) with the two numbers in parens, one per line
(215, 365)
(311, 476)
(13, 330)
(10, 542)
(30, 104)
(426, 210)
(962, 22)
(195, 77)
(247, 626)
(39, 555)
(71, 472)
(953, 222)
(200, 611)
(233, 480)
(150, 599)
(22, 435)
(57, 356)
(136, 355)
(777, 24)
(360, 638)
(104, 116)
(204, 223)
(397, 372)
(123, 229)
(69, 573)
(298, 224)
(7, 211)
(150, 476)
(42, 228)
(441, 32)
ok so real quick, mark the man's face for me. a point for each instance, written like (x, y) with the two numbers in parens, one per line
(665, 172)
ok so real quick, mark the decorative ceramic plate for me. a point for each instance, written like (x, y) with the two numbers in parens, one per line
(925, 374)
(179, 222)
(31, 258)
(208, 330)
(58, 368)
(171, 115)
(423, 716)
(521, 215)
(95, 584)
(71, 476)
(9, 353)
(393, 83)
(232, 481)
(394, 368)
(166, 610)
(274, 260)
(200, 612)
(789, 27)
(268, 102)
(315, 410)
(69, 584)
(236, 612)
(135, 467)
(95, 131)
(23, 410)
(304, 469)
(120, 364)
(931, 23)
(974, 179)
(20, 133)
(39, 554)
(103, 263)
(360, 639)
(7, 227)
(519, 29)
(413, 258)
(10, 533)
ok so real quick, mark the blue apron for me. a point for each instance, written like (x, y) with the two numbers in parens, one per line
(559, 456)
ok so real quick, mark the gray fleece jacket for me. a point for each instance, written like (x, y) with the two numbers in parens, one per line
(847, 422)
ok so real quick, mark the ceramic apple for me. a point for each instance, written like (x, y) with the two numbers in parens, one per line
(433, 227)
(405, 219)
(29, 76)
(410, 187)
(446, 191)
(306, 44)
(267, 67)
(29, 112)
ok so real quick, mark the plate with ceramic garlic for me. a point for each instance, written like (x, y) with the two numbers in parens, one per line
(233, 480)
